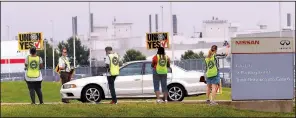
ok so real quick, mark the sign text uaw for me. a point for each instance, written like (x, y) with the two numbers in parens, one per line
(158, 39)
(29, 39)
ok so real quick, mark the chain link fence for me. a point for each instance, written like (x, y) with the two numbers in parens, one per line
(98, 69)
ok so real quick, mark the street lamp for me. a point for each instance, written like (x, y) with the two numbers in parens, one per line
(8, 28)
(53, 48)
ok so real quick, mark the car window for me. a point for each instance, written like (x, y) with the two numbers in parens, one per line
(131, 69)
(149, 70)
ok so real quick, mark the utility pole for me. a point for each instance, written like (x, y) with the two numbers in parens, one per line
(161, 18)
(280, 19)
(89, 31)
(53, 48)
(171, 34)
(8, 28)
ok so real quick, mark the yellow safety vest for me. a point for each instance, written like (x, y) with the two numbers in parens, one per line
(114, 64)
(33, 67)
(161, 67)
(212, 69)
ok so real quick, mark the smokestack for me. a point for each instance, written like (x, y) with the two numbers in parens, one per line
(289, 20)
(150, 26)
(74, 25)
(175, 25)
(156, 22)
(91, 22)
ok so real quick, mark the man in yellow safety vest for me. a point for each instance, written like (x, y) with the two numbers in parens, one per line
(33, 76)
(65, 69)
(112, 66)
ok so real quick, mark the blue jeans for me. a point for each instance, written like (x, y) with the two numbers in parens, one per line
(111, 80)
(162, 79)
(214, 80)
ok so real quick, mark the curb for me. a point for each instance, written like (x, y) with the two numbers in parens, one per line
(146, 101)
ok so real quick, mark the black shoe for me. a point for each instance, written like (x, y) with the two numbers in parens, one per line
(66, 102)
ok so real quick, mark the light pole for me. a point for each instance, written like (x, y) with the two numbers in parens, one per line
(161, 18)
(8, 28)
(280, 19)
(171, 34)
(89, 31)
(53, 49)
(45, 56)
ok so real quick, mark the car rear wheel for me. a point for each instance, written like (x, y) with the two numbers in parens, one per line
(92, 94)
(176, 92)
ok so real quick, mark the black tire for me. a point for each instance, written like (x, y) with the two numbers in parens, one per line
(85, 97)
(176, 88)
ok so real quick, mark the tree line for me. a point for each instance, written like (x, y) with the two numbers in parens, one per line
(82, 53)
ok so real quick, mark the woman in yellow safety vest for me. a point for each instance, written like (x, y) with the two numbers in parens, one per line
(33, 76)
(212, 74)
(160, 65)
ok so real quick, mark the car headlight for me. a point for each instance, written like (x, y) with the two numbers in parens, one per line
(67, 86)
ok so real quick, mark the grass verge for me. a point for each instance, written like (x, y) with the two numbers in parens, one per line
(17, 91)
(131, 110)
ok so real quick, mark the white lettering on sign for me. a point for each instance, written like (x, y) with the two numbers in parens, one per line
(272, 79)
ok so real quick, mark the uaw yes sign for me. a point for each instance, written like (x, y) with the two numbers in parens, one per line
(28, 39)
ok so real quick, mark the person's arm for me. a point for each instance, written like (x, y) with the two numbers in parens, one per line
(217, 62)
(206, 67)
(61, 64)
(169, 63)
(107, 62)
(154, 61)
(26, 63)
(40, 63)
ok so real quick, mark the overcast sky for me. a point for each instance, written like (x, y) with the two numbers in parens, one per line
(30, 16)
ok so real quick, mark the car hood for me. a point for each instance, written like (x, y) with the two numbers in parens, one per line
(87, 80)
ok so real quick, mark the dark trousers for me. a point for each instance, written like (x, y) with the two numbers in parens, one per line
(65, 78)
(111, 80)
(35, 86)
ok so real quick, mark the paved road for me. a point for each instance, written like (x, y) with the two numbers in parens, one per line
(119, 101)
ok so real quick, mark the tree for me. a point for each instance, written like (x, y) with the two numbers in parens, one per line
(81, 52)
(49, 55)
(189, 54)
(133, 55)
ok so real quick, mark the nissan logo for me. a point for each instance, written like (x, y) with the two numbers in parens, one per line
(285, 42)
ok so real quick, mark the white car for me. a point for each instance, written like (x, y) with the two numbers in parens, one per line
(135, 81)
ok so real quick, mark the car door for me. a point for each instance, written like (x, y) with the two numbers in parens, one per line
(129, 81)
(148, 87)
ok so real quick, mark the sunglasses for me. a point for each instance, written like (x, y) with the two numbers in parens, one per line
(64, 52)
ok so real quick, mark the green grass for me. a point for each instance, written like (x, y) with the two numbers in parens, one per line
(131, 110)
(18, 92)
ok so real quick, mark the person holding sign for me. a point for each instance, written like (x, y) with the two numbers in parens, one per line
(33, 76)
(64, 69)
(160, 65)
(212, 74)
(112, 66)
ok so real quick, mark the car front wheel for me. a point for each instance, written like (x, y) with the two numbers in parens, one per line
(92, 94)
(176, 93)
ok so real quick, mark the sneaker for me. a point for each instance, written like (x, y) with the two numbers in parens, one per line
(33, 103)
(41, 103)
(159, 101)
(113, 102)
(165, 101)
(213, 103)
(208, 101)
